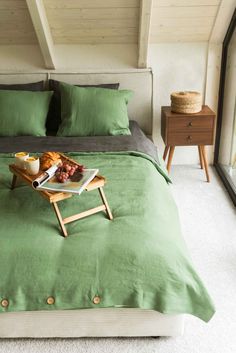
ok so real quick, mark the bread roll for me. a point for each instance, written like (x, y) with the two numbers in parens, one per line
(48, 159)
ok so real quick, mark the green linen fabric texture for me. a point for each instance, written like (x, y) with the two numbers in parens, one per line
(23, 112)
(93, 111)
(137, 260)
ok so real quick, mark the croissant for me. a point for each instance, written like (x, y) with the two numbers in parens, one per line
(48, 159)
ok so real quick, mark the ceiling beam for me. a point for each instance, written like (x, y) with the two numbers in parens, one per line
(222, 21)
(42, 29)
(144, 32)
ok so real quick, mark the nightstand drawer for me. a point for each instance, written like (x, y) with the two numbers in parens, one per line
(190, 124)
(190, 138)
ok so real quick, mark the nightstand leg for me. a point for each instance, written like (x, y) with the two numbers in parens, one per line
(200, 157)
(170, 157)
(203, 150)
(165, 152)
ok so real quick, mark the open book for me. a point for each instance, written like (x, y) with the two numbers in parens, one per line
(76, 184)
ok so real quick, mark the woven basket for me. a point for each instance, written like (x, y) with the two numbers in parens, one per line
(188, 102)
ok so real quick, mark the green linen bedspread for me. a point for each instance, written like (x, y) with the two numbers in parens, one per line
(138, 260)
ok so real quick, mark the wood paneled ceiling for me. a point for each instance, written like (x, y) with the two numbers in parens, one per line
(93, 21)
(109, 21)
(183, 20)
(15, 23)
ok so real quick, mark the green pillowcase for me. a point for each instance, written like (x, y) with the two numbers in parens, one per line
(23, 112)
(93, 111)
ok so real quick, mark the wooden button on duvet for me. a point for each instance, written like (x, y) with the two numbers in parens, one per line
(96, 300)
(4, 303)
(50, 300)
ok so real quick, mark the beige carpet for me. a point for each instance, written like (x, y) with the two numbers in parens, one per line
(209, 227)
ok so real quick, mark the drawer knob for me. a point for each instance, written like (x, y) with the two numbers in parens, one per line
(189, 137)
(190, 124)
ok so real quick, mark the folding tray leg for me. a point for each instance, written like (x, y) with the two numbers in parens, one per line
(104, 200)
(59, 218)
(62, 221)
(13, 183)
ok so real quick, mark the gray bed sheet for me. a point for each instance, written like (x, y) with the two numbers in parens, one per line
(136, 142)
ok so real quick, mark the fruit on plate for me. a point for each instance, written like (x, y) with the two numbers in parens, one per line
(67, 170)
(48, 159)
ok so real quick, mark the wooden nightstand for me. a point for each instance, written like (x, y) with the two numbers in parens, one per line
(188, 130)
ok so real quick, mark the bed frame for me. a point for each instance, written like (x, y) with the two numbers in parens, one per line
(111, 322)
(95, 322)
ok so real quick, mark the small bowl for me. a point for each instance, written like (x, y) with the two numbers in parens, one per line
(32, 165)
(20, 158)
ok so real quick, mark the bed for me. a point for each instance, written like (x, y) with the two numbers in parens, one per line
(137, 265)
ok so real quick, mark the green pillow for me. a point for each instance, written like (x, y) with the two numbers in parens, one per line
(23, 112)
(93, 111)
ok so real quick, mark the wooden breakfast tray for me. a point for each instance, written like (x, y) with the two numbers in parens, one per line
(54, 197)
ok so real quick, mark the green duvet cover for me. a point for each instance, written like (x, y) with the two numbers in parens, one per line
(138, 260)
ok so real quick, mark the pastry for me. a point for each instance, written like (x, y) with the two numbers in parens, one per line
(48, 159)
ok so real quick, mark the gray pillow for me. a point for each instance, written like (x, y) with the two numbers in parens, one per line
(34, 87)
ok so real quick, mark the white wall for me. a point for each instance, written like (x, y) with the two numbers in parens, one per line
(19, 58)
(102, 56)
(176, 67)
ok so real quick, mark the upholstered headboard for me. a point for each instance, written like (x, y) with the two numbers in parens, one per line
(140, 106)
